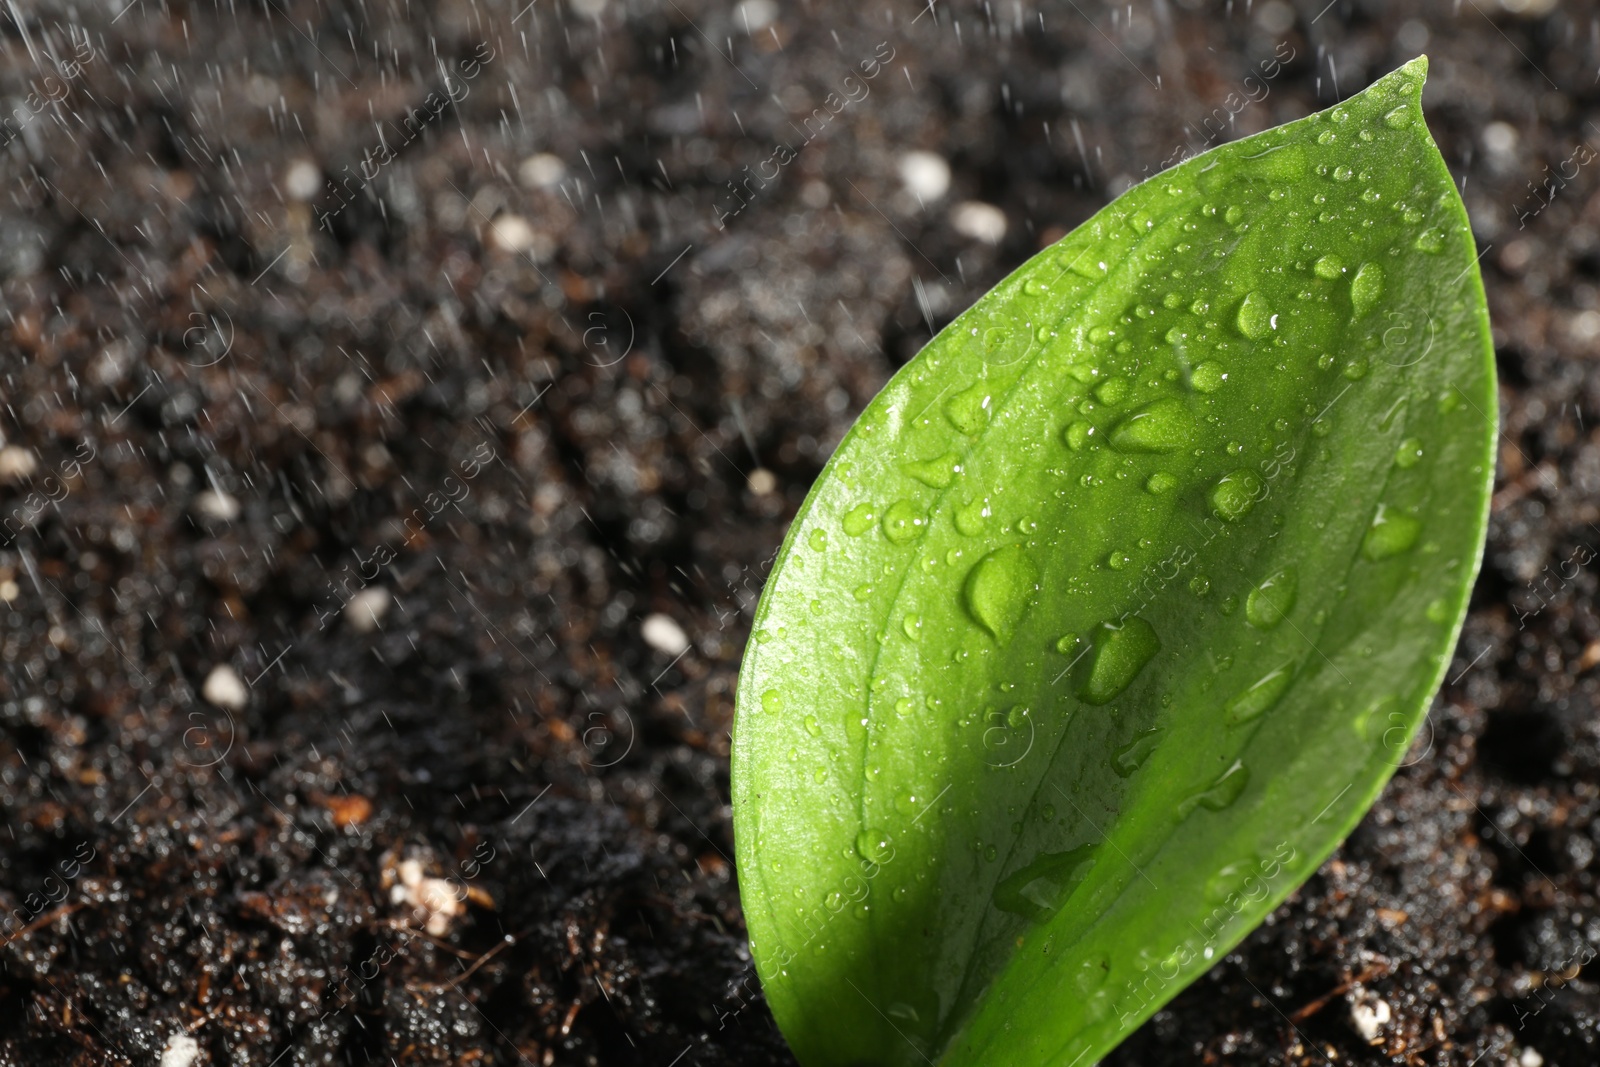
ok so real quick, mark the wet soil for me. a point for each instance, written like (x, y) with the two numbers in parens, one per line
(331, 514)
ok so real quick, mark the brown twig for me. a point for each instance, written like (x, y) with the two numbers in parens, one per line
(481, 961)
(1376, 970)
(42, 921)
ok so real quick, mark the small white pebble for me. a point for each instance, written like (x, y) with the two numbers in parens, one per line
(224, 688)
(1530, 1058)
(762, 481)
(441, 902)
(215, 505)
(1500, 138)
(512, 233)
(1369, 1017)
(1517, 255)
(303, 180)
(1275, 17)
(9, 590)
(542, 171)
(181, 1051)
(756, 15)
(663, 634)
(1585, 326)
(16, 463)
(1529, 8)
(925, 175)
(432, 901)
(979, 221)
(1412, 36)
(113, 363)
(366, 609)
(589, 9)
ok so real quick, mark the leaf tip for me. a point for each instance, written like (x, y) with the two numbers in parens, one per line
(1408, 80)
(1403, 84)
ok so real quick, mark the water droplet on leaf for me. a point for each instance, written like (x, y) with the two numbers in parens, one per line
(968, 411)
(1208, 377)
(1120, 651)
(859, 519)
(1270, 601)
(1131, 756)
(903, 522)
(971, 516)
(998, 589)
(1237, 492)
(1256, 318)
(874, 845)
(1430, 241)
(1037, 890)
(1365, 288)
(1077, 434)
(1391, 533)
(1260, 697)
(1111, 391)
(1161, 483)
(936, 472)
(1160, 427)
(1219, 794)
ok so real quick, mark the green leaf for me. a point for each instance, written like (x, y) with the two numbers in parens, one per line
(1118, 606)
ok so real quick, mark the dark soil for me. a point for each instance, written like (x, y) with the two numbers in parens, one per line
(231, 410)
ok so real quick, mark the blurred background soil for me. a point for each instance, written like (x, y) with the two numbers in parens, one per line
(376, 557)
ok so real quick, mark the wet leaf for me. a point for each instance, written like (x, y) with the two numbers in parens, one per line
(1131, 600)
